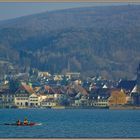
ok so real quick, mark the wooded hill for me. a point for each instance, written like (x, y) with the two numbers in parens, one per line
(97, 40)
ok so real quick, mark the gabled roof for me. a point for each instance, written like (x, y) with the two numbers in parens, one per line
(34, 94)
(26, 87)
(127, 84)
(46, 89)
(81, 89)
(36, 89)
(135, 89)
(105, 86)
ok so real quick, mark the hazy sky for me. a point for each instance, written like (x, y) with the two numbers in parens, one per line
(16, 9)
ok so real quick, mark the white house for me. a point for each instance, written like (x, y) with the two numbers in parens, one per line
(34, 100)
(48, 103)
(22, 96)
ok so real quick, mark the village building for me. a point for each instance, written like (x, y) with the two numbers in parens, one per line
(73, 75)
(126, 85)
(83, 102)
(118, 97)
(44, 74)
(101, 103)
(6, 99)
(34, 100)
(22, 95)
(48, 103)
(135, 92)
(58, 77)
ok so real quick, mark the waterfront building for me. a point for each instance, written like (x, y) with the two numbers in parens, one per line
(22, 95)
(48, 103)
(118, 97)
(6, 99)
(81, 102)
(126, 85)
(129, 100)
(103, 93)
(34, 100)
(58, 96)
(101, 103)
(135, 94)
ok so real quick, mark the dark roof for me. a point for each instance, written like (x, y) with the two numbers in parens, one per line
(35, 84)
(101, 91)
(127, 84)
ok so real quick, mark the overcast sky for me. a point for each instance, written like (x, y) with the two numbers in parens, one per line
(16, 9)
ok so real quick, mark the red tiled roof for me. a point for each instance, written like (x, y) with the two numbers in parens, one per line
(27, 88)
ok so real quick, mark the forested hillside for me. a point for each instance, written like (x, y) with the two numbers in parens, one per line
(96, 40)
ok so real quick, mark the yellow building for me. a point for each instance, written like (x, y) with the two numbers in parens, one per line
(118, 97)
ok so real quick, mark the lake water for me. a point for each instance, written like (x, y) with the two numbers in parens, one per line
(71, 123)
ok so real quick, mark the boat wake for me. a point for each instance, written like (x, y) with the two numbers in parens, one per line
(38, 124)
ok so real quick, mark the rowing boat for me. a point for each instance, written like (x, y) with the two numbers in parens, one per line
(29, 124)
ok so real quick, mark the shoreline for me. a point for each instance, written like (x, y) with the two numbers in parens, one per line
(124, 108)
(70, 107)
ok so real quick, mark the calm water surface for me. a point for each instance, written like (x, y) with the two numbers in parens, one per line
(71, 123)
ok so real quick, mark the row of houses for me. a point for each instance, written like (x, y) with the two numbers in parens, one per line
(73, 95)
(60, 91)
(26, 97)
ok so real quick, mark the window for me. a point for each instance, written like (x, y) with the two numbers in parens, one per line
(26, 103)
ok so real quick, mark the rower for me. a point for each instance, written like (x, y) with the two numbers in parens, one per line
(25, 122)
(18, 122)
